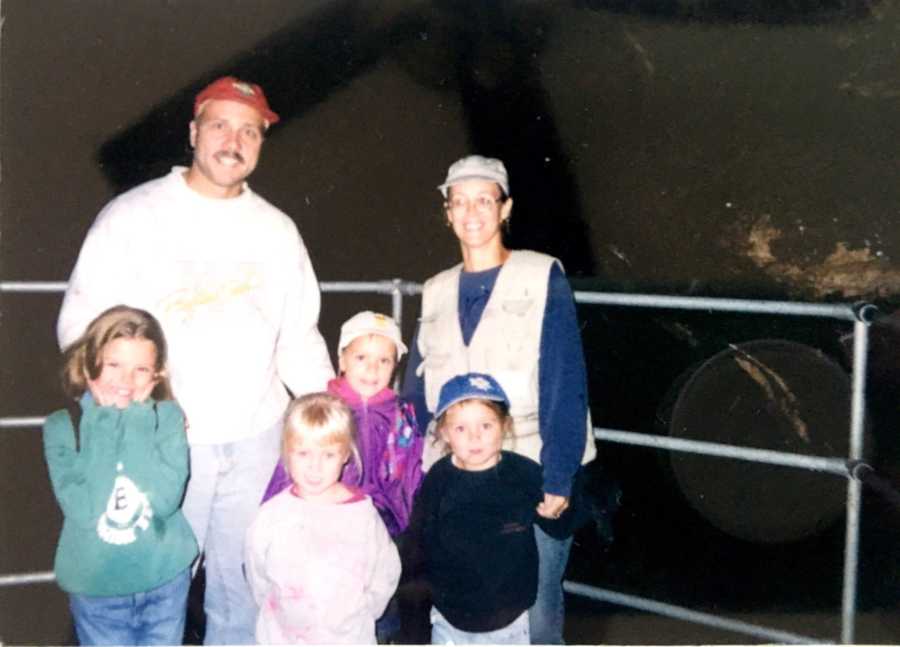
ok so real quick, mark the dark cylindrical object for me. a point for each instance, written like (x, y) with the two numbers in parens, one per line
(768, 394)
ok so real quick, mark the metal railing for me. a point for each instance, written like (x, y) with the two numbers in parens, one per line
(860, 314)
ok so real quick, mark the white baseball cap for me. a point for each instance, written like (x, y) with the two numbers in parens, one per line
(476, 167)
(371, 323)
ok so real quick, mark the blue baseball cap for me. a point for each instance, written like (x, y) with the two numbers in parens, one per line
(468, 387)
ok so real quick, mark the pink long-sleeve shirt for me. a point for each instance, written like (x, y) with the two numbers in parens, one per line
(320, 572)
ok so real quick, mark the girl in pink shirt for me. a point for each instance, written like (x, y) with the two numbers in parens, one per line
(318, 557)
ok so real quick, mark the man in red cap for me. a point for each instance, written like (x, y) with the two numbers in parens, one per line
(230, 119)
(229, 278)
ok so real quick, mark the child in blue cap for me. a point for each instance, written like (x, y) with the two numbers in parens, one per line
(473, 521)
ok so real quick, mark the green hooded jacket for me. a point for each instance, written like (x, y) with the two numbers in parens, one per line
(120, 493)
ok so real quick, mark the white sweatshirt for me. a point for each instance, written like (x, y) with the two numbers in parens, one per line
(321, 573)
(233, 287)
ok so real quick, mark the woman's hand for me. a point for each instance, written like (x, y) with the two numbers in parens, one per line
(552, 506)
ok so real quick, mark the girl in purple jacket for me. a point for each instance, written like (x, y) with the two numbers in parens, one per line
(390, 445)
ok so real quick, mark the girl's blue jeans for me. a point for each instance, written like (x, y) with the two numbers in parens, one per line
(443, 633)
(154, 617)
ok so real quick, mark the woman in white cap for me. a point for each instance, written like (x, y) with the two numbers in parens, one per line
(511, 314)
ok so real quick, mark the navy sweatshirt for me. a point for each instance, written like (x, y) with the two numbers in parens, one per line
(473, 534)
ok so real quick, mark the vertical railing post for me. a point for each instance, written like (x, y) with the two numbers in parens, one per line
(397, 302)
(854, 487)
(397, 314)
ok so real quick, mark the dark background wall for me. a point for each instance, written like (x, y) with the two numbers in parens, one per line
(703, 147)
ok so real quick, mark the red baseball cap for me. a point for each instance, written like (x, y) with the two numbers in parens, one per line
(228, 88)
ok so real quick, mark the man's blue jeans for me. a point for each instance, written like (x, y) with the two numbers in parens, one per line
(547, 615)
(155, 617)
(223, 494)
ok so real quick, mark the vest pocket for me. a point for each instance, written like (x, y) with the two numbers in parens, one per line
(517, 320)
(518, 307)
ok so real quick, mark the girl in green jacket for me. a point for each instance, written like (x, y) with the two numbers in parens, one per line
(118, 463)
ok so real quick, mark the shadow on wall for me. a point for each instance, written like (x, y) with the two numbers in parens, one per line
(483, 52)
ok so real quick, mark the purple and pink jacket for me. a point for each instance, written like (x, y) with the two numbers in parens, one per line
(390, 448)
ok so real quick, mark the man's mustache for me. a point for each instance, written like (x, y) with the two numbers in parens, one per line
(235, 155)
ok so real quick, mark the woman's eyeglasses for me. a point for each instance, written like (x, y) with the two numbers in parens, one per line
(482, 204)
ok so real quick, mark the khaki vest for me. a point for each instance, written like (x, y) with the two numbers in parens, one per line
(506, 345)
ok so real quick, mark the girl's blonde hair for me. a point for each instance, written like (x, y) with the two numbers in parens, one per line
(83, 358)
(499, 408)
(321, 418)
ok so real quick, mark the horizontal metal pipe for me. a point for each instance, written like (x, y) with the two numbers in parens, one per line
(602, 595)
(817, 463)
(682, 613)
(379, 287)
(848, 312)
(26, 578)
(35, 421)
(392, 286)
(594, 593)
(33, 286)
(837, 311)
